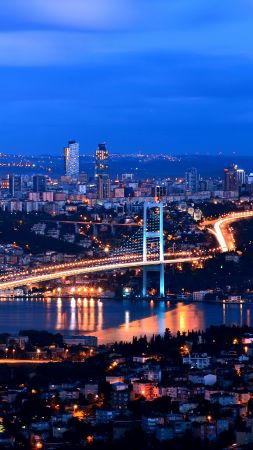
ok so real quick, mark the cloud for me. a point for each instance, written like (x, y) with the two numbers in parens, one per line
(121, 14)
(84, 32)
(113, 66)
(40, 48)
(67, 14)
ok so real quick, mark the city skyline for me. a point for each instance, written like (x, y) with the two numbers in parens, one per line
(176, 77)
(126, 222)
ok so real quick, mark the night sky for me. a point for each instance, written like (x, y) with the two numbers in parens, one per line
(170, 76)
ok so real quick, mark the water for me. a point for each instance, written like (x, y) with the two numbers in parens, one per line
(112, 320)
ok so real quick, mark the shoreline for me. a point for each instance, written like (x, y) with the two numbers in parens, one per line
(132, 299)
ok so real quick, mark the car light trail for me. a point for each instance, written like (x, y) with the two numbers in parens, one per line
(222, 232)
(30, 279)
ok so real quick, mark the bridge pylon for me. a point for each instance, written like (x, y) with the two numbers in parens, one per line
(153, 238)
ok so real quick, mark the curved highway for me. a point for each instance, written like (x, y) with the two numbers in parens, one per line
(222, 231)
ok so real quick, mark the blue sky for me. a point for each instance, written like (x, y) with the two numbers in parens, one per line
(144, 75)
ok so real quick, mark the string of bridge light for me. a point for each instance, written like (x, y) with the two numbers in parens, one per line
(134, 245)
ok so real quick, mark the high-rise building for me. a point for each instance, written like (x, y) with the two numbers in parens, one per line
(102, 172)
(250, 178)
(39, 183)
(15, 185)
(241, 177)
(191, 180)
(159, 191)
(71, 159)
(83, 177)
(230, 178)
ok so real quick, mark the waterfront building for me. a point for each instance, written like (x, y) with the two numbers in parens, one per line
(89, 341)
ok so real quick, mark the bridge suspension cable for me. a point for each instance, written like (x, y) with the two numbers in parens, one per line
(134, 244)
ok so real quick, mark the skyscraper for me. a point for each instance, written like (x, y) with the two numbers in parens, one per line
(241, 177)
(230, 178)
(15, 185)
(159, 191)
(102, 172)
(71, 159)
(191, 180)
(250, 178)
(39, 183)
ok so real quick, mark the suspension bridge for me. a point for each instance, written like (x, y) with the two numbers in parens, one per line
(144, 248)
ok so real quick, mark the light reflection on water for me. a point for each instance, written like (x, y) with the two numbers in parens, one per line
(112, 320)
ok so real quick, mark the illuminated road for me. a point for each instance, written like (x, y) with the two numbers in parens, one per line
(100, 265)
(111, 224)
(25, 361)
(220, 228)
(222, 231)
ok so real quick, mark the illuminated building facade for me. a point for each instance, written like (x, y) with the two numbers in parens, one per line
(5, 183)
(102, 172)
(71, 159)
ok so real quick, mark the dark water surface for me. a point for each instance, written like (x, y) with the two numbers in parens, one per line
(112, 320)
